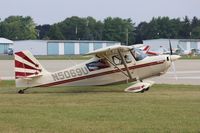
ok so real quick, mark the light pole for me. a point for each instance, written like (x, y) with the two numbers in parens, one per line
(158, 34)
(127, 37)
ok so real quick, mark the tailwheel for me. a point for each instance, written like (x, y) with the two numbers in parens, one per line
(146, 89)
(21, 91)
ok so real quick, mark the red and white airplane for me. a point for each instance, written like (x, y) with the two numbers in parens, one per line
(114, 64)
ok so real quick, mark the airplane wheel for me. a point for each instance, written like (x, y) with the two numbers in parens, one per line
(142, 91)
(147, 89)
(21, 91)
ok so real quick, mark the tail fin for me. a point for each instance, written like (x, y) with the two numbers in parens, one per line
(27, 66)
(179, 47)
(146, 50)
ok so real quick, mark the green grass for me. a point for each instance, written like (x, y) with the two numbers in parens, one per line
(184, 57)
(164, 108)
(6, 57)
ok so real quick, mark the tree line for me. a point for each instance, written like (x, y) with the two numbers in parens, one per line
(110, 29)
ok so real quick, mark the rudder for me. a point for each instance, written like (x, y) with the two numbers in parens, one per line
(27, 66)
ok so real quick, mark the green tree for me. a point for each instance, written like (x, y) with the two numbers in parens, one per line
(18, 28)
(196, 32)
(195, 27)
(76, 28)
(43, 31)
(94, 29)
(185, 28)
(117, 29)
(55, 33)
(161, 27)
(73, 28)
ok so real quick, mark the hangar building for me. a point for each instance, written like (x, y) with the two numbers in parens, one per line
(61, 47)
(186, 44)
(4, 45)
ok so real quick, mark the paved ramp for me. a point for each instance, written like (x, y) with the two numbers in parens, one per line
(187, 71)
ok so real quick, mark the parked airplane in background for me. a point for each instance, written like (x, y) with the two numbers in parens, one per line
(146, 50)
(181, 51)
(178, 51)
(114, 64)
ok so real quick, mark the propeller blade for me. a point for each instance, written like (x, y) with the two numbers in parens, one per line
(170, 47)
(174, 70)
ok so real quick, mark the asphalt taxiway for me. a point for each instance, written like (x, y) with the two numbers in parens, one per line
(187, 71)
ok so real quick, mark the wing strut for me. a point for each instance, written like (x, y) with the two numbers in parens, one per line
(125, 65)
(115, 66)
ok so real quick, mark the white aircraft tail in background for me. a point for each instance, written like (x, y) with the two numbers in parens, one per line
(145, 49)
(181, 51)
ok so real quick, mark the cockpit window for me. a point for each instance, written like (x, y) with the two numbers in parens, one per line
(118, 61)
(138, 54)
(128, 58)
(97, 65)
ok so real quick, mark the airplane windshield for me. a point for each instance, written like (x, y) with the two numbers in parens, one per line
(138, 54)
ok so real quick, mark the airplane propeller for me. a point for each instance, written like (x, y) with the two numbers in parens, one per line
(170, 47)
(173, 58)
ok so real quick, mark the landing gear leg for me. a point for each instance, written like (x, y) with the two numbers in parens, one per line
(22, 91)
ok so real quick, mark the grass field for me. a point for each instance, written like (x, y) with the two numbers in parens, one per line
(104, 109)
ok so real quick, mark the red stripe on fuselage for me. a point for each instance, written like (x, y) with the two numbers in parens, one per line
(99, 74)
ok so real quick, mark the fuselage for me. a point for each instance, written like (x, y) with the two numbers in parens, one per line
(101, 72)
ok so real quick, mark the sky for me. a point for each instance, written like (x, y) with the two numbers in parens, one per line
(53, 11)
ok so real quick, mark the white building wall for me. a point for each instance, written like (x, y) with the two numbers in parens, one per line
(118, 43)
(198, 45)
(103, 45)
(188, 45)
(155, 44)
(36, 47)
(39, 47)
(61, 49)
(91, 47)
(76, 48)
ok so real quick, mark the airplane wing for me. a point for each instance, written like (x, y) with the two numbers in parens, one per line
(110, 50)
